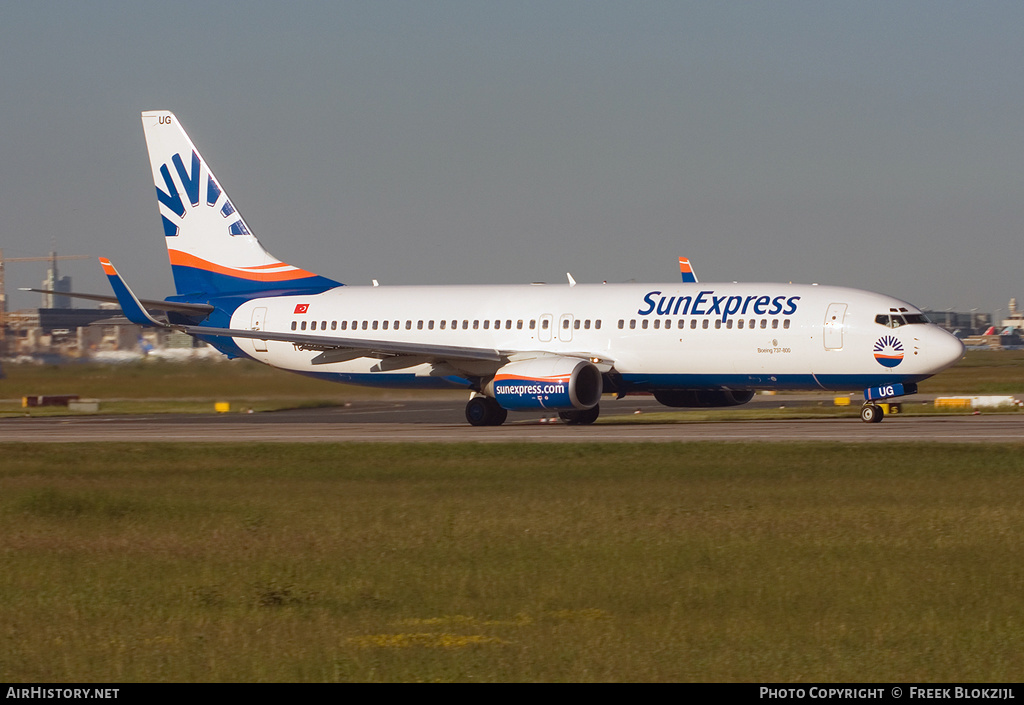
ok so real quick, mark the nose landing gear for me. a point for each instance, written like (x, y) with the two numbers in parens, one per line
(871, 413)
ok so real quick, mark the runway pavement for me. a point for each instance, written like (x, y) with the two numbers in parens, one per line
(433, 421)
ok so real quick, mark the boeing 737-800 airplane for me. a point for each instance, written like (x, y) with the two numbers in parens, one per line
(516, 348)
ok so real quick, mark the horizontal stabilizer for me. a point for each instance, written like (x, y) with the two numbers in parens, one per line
(190, 309)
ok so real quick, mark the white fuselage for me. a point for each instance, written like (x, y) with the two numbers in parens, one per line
(655, 336)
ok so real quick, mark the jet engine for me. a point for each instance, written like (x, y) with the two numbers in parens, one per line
(550, 382)
(703, 398)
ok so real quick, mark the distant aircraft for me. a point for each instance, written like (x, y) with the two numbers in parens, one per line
(525, 347)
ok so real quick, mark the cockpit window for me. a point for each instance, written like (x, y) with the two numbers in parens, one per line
(895, 320)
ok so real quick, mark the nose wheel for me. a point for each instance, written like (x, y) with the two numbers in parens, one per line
(871, 413)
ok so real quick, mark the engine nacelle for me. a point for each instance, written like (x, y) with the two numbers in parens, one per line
(555, 383)
(703, 398)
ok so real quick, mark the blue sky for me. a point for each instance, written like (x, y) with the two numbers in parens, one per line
(869, 144)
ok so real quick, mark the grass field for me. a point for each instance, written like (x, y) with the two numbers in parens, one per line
(667, 562)
(172, 387)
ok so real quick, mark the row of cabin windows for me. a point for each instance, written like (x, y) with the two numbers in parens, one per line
(578, 324)
(584, 324)
(739, 323)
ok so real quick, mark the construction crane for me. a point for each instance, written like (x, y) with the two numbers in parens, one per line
(52, 257)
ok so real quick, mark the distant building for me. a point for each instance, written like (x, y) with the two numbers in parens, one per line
(55, 282)
(1015, 319)
(84, 332)
(961, 322)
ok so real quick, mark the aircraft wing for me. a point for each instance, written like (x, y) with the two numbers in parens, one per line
(367, 348)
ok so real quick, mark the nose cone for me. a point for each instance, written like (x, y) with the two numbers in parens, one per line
(944, 349)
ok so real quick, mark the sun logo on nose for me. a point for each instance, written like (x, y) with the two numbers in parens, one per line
(888, 351)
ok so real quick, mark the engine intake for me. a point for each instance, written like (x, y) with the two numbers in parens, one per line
(555, 383)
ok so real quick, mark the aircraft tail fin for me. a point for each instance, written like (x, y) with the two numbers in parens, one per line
(686, 270)
(211, 248)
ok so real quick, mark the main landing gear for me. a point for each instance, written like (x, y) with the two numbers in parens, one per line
(871, 413)
(580, 418)
(484, 411)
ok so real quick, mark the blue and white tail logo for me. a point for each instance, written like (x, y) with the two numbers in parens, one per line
(214, 197)
(211, 248)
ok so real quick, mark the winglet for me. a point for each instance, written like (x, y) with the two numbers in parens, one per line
(134, 311)
(686, 270)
